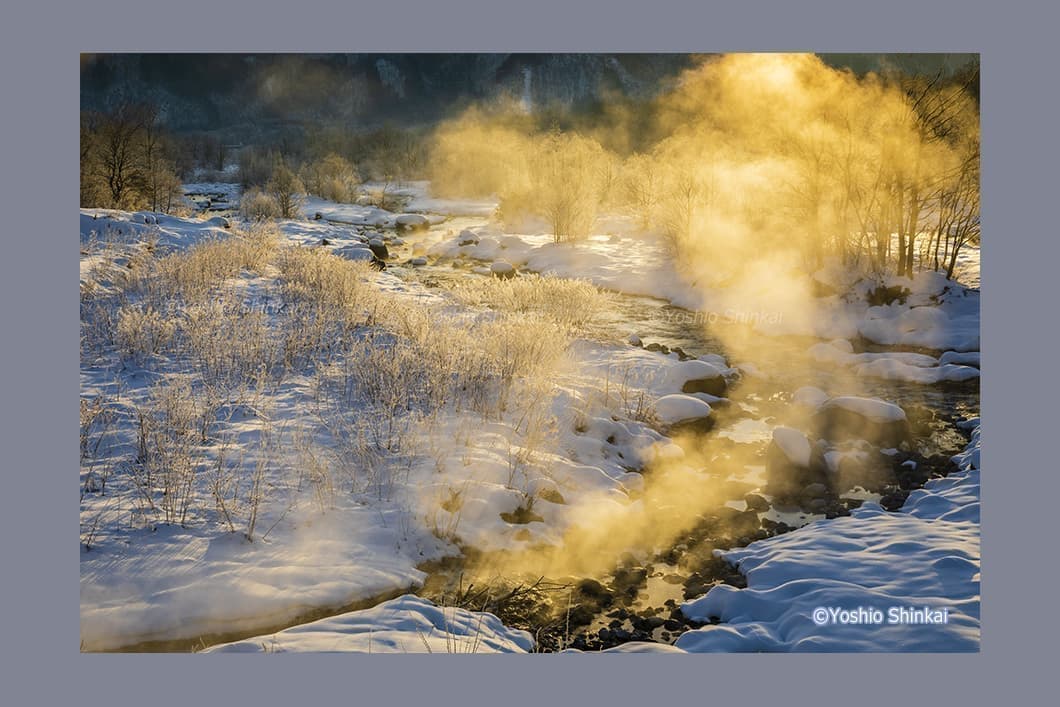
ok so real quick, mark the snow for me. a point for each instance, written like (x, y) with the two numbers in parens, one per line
(128, 227)
(870, 408)
(411, 221)
(628, 262)
(970, 358)
(354, 252)
(899, 365)
(810, 397)
(794, 445)
(407, 624)
(925, 555)
(420, 199)
(352, 214)
(692, 370)
(891, 369)
(677, 408)
(502, 268)
(158, 582)
(175, 583)
(938, 314)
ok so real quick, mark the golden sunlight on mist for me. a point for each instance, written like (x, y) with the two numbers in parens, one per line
(757, 170)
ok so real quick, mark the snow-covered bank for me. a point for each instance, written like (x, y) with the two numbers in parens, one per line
(925, 555)
(897, 365)
(107, 225)
(407, 624)
(175, 583)
(927, 311)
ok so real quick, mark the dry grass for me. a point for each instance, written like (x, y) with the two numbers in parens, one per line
(142, 331)
(389, 373)
(196, 273)
(570, 304)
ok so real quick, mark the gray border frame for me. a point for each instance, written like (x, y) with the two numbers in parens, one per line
(1019, 154)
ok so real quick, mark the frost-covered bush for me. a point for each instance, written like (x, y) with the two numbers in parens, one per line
(570, 304)
(194, 273)
(332, 178)
(230, 344)
(325, 296)
(257, 205)
(142, 331)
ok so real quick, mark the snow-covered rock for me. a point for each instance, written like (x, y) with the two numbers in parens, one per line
(354, 252)
(809, 397)
(681, 411)
(892, 369)
(696, 376)
(969, 358)
(898, 365)
(502, 269)
(412, 222)
(793, 445)
(850, 417)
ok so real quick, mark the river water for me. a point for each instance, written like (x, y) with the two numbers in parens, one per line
(637, 598)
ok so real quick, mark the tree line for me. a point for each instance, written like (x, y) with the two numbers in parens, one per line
(749, 153)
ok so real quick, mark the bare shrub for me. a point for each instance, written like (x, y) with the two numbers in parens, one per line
(325, 298)
(143, 331)
(198, 271)
(168, 461)
(570, 304)
(97, 326)
(257, 246)
(257, 205)
(230, 344)
(286, 189)
(332, 178)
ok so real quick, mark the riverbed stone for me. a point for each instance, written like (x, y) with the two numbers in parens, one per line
(846, 418)
(378, 248)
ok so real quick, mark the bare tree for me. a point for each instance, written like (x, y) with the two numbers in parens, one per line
(287, 189)
(641, 187)
(118, 163)
(332, 177)
(564, 179)
(161, 186)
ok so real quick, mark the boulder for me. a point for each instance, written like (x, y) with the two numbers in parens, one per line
(502, 269)
(871, 471)
(378, 248)
(679, 413)
(879, 422)
(412, 222)
(355, 252)
(810, 397)
(792, 464)
(695, 376)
